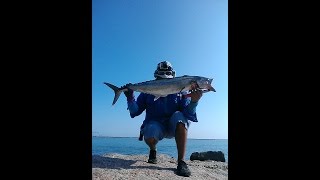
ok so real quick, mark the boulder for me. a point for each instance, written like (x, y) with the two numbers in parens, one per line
(208, 155)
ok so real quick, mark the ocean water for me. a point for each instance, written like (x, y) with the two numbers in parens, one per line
(132, 146)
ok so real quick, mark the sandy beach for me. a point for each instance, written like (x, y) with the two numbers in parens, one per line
(135, 167)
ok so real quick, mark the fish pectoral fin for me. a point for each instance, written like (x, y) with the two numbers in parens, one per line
(182, 89)
(156, 98)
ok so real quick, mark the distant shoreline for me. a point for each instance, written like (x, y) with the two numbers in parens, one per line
(137, 137)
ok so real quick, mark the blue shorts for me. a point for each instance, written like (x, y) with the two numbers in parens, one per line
(158, 131)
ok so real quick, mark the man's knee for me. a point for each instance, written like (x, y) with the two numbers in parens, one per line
(180, 126)
(150, 140)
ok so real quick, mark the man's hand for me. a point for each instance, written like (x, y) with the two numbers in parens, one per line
(129, 92)
(196, 93)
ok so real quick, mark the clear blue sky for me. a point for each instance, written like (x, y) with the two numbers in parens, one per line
(129, 39)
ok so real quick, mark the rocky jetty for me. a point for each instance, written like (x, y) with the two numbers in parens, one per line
(118, 166)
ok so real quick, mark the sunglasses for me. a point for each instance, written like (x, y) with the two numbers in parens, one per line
(165, 73)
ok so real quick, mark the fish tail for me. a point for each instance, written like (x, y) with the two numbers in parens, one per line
(116, 90)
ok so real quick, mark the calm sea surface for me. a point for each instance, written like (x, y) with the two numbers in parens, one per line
(131, 146)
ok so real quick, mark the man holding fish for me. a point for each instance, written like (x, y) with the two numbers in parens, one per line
(167, 115)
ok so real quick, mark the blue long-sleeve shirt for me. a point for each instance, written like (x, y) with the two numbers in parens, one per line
(162, 109)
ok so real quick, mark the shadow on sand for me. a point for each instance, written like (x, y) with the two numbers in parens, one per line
(116, 163)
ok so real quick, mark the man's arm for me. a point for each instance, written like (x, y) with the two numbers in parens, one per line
(190, 105)
(135, 107)
(195, 97)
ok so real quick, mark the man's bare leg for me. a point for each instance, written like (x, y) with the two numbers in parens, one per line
(151, 142)
(181, 140)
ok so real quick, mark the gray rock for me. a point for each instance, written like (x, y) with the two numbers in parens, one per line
(208, 155)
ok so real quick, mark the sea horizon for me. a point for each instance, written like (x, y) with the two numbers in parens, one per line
(131, 145)
(137, 137)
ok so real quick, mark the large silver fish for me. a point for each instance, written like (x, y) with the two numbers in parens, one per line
(164, 87)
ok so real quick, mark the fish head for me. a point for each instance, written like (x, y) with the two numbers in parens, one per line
(205, 83)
